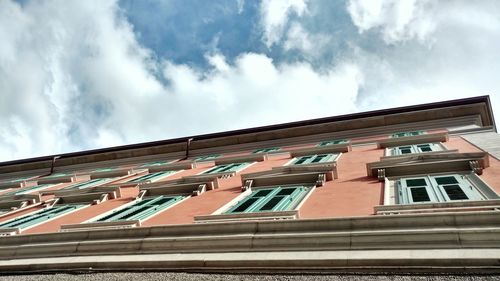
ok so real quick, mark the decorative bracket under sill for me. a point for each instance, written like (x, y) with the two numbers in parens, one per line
(104, 197)
(476, 167)
(247, 185)
(9, 231)
(381, 174)
(141, 194)
(321, 180)
(201, 188)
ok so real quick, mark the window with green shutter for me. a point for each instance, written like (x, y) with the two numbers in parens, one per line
(89, 183)
(226, 168)
(207, 157)
(279, 198)
(436, 188)
(407, 134)
(266, 150)
(30, 189)
(416, 148)
(331, 142)
(40, 216)
(312, 159)
(142, 209)
(151, 177)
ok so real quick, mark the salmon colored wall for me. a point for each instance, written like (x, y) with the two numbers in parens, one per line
(491, 175)
(353, 193)
(128, 194)
(79, 216)
(210, 201)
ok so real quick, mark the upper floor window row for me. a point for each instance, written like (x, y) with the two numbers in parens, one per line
(226, 168)
(407, 134)
(331, 142)
(266, 150)
(415, 148)
(313, 159)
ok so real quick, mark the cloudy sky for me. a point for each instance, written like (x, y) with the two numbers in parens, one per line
(78, 75)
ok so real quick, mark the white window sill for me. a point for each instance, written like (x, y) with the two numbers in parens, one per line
(457, 206)
(282, 215)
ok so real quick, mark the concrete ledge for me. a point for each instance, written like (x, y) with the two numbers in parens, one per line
(426, 138)
(461, 206)
(439, 260)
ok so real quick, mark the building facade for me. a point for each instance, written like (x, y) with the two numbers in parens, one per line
(404, 189)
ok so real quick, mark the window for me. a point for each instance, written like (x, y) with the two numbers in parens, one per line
(30, 189)
(281, 198)
(151, 177)
(415, 148)
(407, 134)
(331, 142)
(312, 159)
(40, 216)
(207, 157)
(436, 188)
(266, 150)
(90, 183)
(142, 209)
(226, 168)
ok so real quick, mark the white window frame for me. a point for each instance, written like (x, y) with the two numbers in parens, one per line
(414, 148)
(332, 158)
(396, 191)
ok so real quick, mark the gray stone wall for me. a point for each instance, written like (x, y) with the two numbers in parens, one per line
(487, 141)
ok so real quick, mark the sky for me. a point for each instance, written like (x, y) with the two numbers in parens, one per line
(79, 75)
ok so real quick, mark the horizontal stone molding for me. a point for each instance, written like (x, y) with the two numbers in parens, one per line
(460, 206)
(407, 231)
(99, 225)
(419, 261)
(326, 149)
(240, 159)
(429, 164)
(425, 138)
(282, 215)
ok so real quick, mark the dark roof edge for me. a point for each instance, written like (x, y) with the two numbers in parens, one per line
(404, 109)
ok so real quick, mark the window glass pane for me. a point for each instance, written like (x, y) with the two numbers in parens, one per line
(271, 203)
(416, 182)
(455, 192)
(424, 147)
(245, 205)
(286, 191)
(405, 150)
(446, 180)
(419, 194)
(262, 193)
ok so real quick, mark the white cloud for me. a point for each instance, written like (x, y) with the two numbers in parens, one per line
(459, 58)
(254, 92)
(73, 77)
(274, 16)
(65, 67)
(397, 20)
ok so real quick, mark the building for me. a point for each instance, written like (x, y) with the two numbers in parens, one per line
(410, 189)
